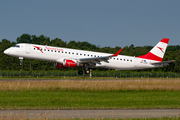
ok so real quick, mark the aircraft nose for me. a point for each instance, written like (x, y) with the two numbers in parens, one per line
(6, 51)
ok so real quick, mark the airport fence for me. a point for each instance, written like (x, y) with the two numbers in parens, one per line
(115, 74)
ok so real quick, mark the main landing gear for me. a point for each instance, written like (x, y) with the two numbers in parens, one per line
(80, 72)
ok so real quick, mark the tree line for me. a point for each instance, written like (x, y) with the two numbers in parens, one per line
(12, 63)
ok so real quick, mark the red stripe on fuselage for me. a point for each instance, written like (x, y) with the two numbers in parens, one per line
(151, 56)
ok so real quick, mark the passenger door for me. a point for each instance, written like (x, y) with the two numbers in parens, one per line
(135, 61)
(28, 46)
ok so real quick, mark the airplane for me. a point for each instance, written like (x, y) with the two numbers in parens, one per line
(66, 57)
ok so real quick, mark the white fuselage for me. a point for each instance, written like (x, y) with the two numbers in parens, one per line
(50, 53)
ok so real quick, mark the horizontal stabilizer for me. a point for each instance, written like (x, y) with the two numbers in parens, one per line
(163, 62)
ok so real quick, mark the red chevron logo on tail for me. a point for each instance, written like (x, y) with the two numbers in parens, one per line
(161, 49)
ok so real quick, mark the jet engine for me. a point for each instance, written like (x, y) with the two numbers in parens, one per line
(67, 63)
(70, 63)
(58, 65)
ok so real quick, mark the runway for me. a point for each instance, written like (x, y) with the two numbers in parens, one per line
(42, 114)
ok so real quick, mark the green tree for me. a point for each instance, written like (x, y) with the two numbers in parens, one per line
(24, 38)
(7, 62)
(72, 44)
(58, 43)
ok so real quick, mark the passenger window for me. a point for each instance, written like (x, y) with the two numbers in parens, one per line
(34, 48)
(127, 59)
(84, 54)
(48, 50)
(69, 53)
(66, 52)
(80, 54)
(62, 51)
(58, 51)
(117, 58)
(73, 53)
(55, 50)
(91, 55)
(51, 50)
(94, 55)
(88, 55)
(124, 59)
(76, 53)
(131, 60)
(44, 49)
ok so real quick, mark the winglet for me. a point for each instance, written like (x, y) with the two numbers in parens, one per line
(117, 53)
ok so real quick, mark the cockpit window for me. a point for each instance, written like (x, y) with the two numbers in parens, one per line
(16, 46)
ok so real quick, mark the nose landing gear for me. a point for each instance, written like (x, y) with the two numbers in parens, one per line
(21, 62)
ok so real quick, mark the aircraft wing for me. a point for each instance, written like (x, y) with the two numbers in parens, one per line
(163, 62)
(98, 59)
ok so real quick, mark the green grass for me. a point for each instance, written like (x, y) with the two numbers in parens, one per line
(84, 78)
(74, 99)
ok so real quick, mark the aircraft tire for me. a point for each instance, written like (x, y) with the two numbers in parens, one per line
(80, 72)
(87, 71)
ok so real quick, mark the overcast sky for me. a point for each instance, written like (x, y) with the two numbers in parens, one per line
(100, 22)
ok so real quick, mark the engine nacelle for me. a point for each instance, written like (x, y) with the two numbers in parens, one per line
(59, 65)
(70, 63)
(64, 63)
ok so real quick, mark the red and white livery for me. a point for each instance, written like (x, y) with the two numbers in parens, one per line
(65, 57)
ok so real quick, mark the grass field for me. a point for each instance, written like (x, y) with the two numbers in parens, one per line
(90, 94)
(21, 117)
(106, 85)
(61, 99)
(164, 118)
